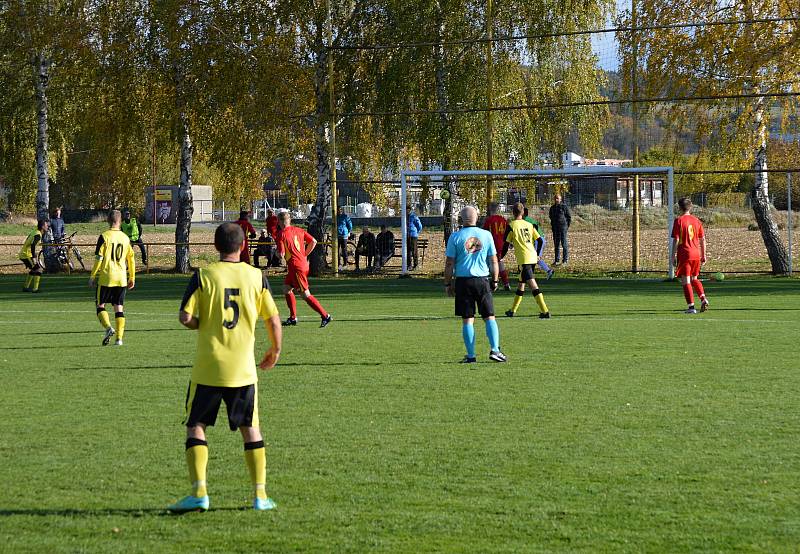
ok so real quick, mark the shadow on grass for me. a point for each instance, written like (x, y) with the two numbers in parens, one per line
(97, 331)
(44, 347)
(105, 512)
(127, 367)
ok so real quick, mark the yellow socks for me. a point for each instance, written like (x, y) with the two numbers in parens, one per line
(28, 281)
(517, 301)
(119, 319)
(539, 297)
(102, 316)
(197, 461)
(35, 283)
(256, 457)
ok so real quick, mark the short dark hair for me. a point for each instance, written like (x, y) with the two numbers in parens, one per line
(383, 226)
(517, 209)
(685, 204)
(114, 217)
(228, 238)
(40, 223)
(243, 214)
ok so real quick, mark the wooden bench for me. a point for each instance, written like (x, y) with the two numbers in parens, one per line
(422, 245)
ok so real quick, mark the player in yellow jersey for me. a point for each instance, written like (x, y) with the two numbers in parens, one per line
(28, 256)
(224, 302)
(113, 273)
(523, 237)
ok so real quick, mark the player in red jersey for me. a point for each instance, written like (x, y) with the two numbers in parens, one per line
(497, 225)
(688, 249)
(249, 233)
(295, 244)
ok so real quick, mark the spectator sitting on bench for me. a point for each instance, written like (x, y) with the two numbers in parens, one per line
(263, 249)
(365, 247)
(384, 243)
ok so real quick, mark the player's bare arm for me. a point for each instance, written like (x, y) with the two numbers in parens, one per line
(494, 267)
(703, 257)
(310, 246)
(448, 275)
(188, 320)
(275, 333)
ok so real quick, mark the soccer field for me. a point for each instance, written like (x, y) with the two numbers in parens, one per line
(619, 425)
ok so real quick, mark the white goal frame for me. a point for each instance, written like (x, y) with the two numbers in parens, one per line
(593, 170)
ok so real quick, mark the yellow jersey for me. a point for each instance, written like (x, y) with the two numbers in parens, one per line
(522, 236)
(227, 298)
(113, 254)
(28, 249)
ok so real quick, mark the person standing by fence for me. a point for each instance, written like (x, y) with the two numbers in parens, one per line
(344, 225)
(133, 228)
(414, 228)
(560, 220)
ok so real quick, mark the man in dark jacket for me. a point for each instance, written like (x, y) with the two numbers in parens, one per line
(365, 247)
(384, 244)
(560, 219)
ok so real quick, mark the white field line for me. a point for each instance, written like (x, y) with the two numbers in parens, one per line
(417, 317)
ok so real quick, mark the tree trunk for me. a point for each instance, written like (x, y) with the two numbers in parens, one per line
(41, 77)
(316, 219)
(185, 208)
(776, 251)
(449, 222)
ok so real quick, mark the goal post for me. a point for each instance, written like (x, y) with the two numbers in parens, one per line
(595, 171)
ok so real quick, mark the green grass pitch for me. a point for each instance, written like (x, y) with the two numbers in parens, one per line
(619, 425)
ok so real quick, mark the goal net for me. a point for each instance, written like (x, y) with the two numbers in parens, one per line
(602, 201)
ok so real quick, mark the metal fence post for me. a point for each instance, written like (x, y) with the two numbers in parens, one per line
(789, 216)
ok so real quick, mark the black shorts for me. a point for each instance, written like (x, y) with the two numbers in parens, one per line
(111, 295)
(526, 272)
(471, 291)
(33, 267)
(203, 401)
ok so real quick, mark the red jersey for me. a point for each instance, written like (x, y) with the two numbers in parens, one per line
(272, 226)
(292, 244)
(687, 231)
(497, 225)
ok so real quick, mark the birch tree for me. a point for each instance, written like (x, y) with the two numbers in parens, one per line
(749, 57)
(41, 33)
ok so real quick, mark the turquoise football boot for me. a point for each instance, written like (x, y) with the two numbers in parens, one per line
(189, 504)
(264, 505)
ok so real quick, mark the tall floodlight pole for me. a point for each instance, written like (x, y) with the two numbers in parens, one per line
(489, 104)
(332, 112)
(635, 113)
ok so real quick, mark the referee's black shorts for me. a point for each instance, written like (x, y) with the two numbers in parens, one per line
(111, 295)
(471, 291)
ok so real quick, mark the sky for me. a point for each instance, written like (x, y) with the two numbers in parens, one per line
(605, 44)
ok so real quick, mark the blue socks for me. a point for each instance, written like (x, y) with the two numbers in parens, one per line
(468, 333)
(493, 334)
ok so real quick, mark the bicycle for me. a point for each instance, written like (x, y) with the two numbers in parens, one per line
(351, 250)
(62, 255)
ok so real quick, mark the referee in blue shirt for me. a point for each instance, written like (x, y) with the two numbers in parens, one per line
(470, 253)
